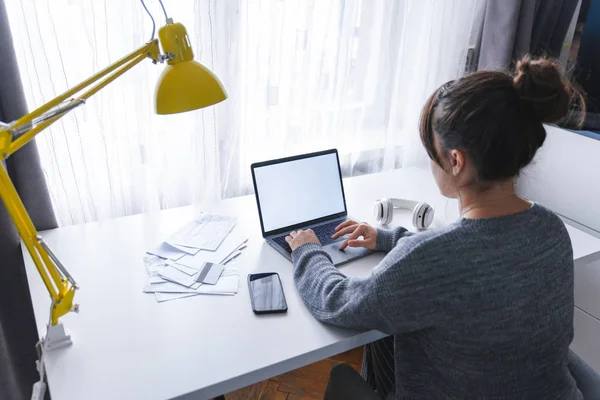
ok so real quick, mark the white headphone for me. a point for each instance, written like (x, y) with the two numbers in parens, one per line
(422, 217)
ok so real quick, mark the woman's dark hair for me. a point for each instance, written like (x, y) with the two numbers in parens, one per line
(496, 118)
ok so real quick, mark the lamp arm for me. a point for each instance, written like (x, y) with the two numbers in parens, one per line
(59, 283)
(18, 134)
(61, 289)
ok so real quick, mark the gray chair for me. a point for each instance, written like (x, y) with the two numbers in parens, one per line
(345, 383)
(588, 380)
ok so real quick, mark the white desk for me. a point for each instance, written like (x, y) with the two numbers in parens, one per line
(128, 346)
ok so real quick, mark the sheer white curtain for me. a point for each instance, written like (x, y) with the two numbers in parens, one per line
(301, 76)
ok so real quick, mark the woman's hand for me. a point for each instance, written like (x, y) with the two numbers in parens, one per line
(297, 238)
(356, 230)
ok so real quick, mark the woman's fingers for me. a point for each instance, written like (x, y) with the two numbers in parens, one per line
(358, 243)
(345, 224)
(288, 239)
(344, 231)
(359, 231)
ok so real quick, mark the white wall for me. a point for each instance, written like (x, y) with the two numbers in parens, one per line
(565, 177)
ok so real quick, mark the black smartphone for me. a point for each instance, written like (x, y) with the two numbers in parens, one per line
(266, 293)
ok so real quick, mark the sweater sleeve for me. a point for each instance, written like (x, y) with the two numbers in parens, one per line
(388, 238)
(393, 298)
(331, 296)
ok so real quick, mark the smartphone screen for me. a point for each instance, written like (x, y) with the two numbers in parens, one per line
(266, 293)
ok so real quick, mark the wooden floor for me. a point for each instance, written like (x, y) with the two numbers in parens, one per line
(307, 383)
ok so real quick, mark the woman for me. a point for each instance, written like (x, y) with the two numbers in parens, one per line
(484, 307)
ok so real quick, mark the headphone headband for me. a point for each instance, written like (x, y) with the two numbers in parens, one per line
(404, 204)
(422, 212)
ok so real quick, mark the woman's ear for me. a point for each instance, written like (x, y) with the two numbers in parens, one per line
(457, 162)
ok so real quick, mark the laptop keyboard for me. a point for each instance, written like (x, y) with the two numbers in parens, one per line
(323, 233)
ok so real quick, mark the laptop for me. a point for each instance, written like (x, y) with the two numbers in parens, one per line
(303, 192)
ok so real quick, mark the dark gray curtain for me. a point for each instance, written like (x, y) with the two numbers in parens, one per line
(510, 29)
(18, 333)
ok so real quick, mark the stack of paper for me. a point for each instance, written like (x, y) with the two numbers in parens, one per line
(208, 235)
(191, 261)
(166, 277)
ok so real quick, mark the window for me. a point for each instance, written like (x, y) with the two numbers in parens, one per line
(301, 76)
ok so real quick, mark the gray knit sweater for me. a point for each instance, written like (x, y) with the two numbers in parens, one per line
(481, 309)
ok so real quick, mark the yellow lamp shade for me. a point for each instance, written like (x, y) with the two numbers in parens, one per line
(187, 86)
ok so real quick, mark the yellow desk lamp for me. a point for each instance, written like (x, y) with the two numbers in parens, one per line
(184, 85)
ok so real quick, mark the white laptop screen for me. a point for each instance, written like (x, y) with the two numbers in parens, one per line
(297, 191)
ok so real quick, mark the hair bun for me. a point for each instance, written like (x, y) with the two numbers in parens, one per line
(543, 86)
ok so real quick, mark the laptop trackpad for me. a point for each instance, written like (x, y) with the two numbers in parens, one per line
(349, 253)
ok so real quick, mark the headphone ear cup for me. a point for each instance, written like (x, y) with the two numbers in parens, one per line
(389, 206)
(378, 211)
(383, 210)
(422, 216)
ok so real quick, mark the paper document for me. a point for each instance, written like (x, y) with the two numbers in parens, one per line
(165, 250)
(168, 287)
(174, 275)
(232, 242)
(188, 270)
(233, 256)
(225, 285)
(154, 264)
(153, 270)
(178, 269)
(242, 246)
(185, 249)
(156, 279)
(160, 297)
(210, 273)
(228, 283)
(206, 232)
